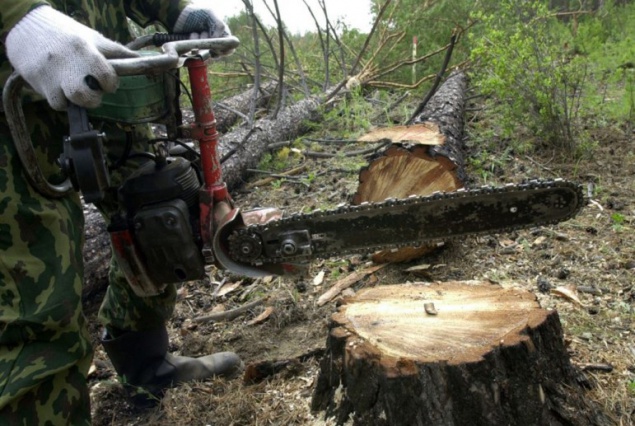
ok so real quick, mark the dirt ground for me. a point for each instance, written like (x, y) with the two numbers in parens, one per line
(592, 255)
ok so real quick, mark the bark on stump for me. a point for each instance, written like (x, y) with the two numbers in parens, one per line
(456, 353)
(435, 163)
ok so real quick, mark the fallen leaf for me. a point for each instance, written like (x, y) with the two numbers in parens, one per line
(228, 288)
(262, 317)
(567, 292)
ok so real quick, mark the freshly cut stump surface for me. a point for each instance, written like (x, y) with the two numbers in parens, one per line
(455, 353)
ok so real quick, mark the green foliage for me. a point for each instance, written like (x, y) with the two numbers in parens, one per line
(433, 23)
(618, 221)
(276, 184)
(486, 165)
(273, 163)
(537, 86)
(310, 178)
(608, 41)
(550, 75)
(550, 68)
(351, 117)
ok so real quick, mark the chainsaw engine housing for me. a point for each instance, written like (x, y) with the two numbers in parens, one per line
(162, 216)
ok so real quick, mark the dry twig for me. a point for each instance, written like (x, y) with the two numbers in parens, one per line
(232, 313)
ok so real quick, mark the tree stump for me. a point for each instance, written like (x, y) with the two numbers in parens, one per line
(455, 353)
(433, 162)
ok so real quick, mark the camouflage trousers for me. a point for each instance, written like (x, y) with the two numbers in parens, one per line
(45, 348)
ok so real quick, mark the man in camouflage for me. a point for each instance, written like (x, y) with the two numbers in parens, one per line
(45, 348)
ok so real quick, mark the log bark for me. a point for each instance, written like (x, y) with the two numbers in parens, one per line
(434, 163)
(249, 144)
(227, 117)
(456, 353)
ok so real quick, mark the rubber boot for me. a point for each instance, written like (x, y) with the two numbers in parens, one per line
(141, 358)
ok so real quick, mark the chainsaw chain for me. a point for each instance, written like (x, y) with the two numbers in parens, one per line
(251, 235)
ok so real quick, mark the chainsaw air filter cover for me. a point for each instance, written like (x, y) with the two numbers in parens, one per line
(139, 99)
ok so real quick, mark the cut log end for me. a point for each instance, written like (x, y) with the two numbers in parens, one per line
(450, 353)
(399, 172)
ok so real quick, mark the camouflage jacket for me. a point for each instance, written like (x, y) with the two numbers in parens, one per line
(106, 16)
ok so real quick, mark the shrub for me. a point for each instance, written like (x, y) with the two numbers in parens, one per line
(523, 61)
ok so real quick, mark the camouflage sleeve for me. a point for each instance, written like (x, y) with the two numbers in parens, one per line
(13, 11)
(147, 12)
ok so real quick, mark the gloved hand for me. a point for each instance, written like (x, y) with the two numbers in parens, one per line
(54, 54)
(201, 22)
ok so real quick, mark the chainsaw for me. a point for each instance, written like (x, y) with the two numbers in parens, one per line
(177, 216)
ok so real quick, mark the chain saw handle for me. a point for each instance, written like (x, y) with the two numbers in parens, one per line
(175, 47)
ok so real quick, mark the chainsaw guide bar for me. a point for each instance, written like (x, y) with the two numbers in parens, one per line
(413, 221)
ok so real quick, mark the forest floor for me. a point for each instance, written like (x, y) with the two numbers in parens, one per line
(592, 256)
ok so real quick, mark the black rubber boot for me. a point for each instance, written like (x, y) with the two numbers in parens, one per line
(141, 358)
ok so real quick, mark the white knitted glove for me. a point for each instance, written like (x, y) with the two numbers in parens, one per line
(201, 22)
(54, 54)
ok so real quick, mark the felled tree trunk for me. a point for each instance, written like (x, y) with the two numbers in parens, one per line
(249, 145)
(422, 158)
(227, 114)
(457, 353)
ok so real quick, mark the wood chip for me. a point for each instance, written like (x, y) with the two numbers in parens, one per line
(92, 369)
(346, 282)
(596, 204)
(419, 268)
(422, 134)
(319, 278)
(430, 309)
